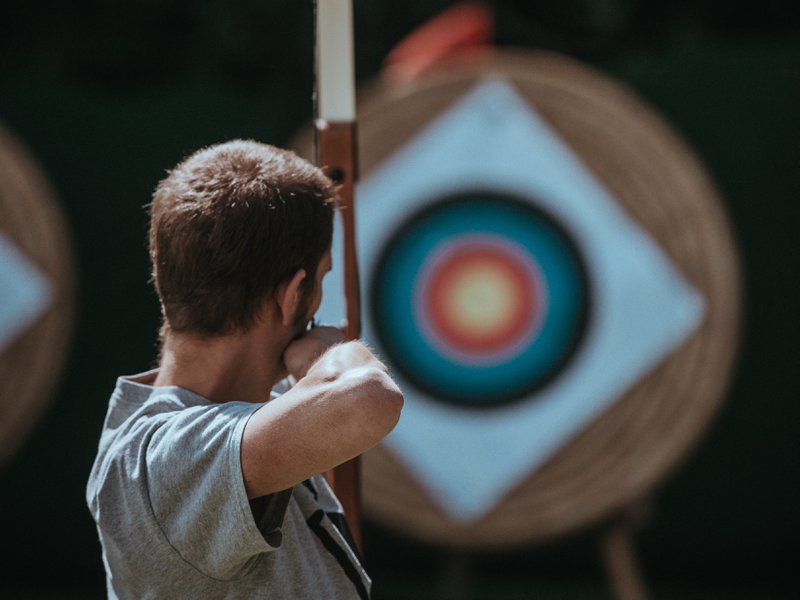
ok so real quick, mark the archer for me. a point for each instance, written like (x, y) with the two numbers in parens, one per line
(206, 483)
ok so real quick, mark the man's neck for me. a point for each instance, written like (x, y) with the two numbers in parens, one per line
(240, 367)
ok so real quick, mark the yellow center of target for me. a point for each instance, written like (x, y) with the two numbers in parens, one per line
(482, 299)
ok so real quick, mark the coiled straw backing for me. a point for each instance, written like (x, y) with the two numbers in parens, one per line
(31, 364)
(626, 452)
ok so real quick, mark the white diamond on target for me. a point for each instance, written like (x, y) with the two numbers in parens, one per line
(24, 292)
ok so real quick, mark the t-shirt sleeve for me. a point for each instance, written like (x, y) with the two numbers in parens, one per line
(196, 490)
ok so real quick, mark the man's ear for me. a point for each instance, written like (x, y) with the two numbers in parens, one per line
(288, 297)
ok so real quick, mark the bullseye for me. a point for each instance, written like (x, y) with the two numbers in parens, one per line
(480, 299)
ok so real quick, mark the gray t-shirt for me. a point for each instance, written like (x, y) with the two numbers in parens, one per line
(167, 494)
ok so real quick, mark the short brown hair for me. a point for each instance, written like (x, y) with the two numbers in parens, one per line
(227, 226)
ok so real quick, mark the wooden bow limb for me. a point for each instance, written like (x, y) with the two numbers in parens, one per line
(335, 153)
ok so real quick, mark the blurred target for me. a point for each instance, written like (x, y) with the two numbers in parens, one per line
(36, 292)
(479, 288)
(549, 273)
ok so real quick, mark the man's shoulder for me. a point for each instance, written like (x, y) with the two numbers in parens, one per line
(146, 425)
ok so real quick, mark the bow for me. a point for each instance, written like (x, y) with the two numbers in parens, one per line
(335, 153)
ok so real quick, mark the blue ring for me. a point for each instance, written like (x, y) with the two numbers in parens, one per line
(443, 376)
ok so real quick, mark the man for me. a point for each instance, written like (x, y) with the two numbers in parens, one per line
(205, 484)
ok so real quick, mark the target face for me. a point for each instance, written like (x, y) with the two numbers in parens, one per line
(475, 289)
(511, 297)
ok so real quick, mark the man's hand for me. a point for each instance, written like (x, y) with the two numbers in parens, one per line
(301, 353)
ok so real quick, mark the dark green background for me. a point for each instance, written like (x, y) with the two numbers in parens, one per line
(108, 95)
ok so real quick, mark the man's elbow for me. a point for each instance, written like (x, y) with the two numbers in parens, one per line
(392, 399)
(383, 401)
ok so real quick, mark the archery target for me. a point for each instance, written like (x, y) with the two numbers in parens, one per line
(36, 292)
(478, 298)
(646, 252)
(478, 288)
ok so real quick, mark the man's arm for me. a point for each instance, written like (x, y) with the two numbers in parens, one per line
(345, 404)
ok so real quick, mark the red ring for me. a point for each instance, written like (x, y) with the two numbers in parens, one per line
(446, 276)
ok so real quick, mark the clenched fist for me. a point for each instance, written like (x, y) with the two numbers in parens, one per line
(301, 353)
